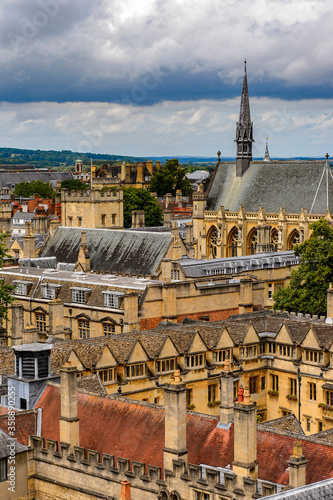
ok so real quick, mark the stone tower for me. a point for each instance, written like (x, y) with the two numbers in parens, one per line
(244, 132)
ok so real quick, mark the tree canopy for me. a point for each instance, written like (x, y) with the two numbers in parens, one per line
(5, 289)
(139, 199)
(74, 185)
(307, 291)
(170, 178)
(27, 189)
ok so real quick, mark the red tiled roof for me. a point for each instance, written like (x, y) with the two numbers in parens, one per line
(25, 424)
(136, 432)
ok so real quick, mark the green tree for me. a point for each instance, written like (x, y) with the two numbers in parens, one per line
(27, 189)
(307, 291)
(5, 289)
(170, 178)
(139, 199)
(74, 185)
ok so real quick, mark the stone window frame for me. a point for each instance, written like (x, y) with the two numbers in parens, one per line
(3, 469)
(21, 287)
(195, 361)
(112, 299)
(220, 355)
(79, 295)
(83, 324)
(107, 375)
(169, 365)
(49, 290)
(136, 370)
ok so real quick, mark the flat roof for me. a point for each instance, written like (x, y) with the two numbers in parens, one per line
(80, 277)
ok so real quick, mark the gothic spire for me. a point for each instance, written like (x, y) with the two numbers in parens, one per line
(244, 113)
(267, 157)
(244, 131)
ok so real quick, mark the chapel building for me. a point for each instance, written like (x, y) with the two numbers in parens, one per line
(250, 207)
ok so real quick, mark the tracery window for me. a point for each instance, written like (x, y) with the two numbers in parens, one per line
(275, 239)
(232, 242)
(294, 239)
(212, 243)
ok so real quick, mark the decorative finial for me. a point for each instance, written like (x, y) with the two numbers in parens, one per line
(219, 155)
(327, 156)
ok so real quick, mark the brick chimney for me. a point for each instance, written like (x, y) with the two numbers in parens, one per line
(227, 396)
(245, 462)
(175, 422)
(125, 490)
(297, 467)
(69, 421)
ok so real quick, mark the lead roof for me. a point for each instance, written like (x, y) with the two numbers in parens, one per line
(125, 251)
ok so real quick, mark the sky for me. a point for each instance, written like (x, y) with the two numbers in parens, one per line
(164, 77)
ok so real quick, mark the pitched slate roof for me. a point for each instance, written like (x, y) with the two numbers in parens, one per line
(106, 425)
(122, 251)
(297, 181)
(323, 490)
(9, 178)
(5, 441)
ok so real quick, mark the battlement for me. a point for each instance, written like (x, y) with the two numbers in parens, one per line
(104, 473)
(91, 195)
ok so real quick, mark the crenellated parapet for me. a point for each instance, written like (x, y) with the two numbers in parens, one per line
(88, 473)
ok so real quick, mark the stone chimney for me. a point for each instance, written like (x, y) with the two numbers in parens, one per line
(179, 197)
(227, 396)
(83, 261)
(158, 164)
(165, 270)
(17, 323)
(138, 218)
(28, 242)
(56, 317)
(139, 173)
(123, 171)
(168, 197)
(245, 462)
(167, 217)
(297, 467)
(175, 422)
(125, 490)
(30, 335)
(53, 225)
(329, 313)
(69, 421)
(150, 166)
(245, 296)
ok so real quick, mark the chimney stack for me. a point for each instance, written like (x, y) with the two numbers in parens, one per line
(125, 490)
(84, 256)
(69, 421)
(297, 467)
(175, 422)
(245, 462)
(29, 242)
(329, 313)
(17, 323)
(227, 396)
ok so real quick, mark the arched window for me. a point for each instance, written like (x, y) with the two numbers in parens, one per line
(174, 496)
(293, 239)
(232, 242)
(275, 239)
(212, 243)
(163, 495)
(252, 242)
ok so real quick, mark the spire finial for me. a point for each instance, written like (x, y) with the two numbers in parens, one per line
(327, 156)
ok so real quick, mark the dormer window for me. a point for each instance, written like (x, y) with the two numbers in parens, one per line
(195, 361)
(112, 299)
(49, 291)
(79, 295)
(314, 356)
(21, 287)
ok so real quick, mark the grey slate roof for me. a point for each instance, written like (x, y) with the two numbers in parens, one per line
(195, 268)
(323, 490)
(6, 440)
(9, 178)
(288, 184)
(120, 251)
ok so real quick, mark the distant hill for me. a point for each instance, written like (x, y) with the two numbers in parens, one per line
(65, 159)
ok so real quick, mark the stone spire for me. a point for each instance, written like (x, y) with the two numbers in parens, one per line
(244, 131)
(267, 157)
